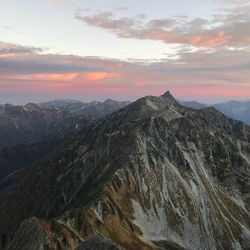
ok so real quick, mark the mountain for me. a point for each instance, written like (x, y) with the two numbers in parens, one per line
(64, 104)
(94, 109)
(153, 175)
(193, 104)
(16, 161)
(234, 109)
(101, 109)
(97, 242)
(32, 123)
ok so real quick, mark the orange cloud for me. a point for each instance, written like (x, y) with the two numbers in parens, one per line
(218, 40)
(55, 77)
(98, 76)
(222, 72)
(10, 55)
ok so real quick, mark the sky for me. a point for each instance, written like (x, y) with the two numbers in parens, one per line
(99, 49)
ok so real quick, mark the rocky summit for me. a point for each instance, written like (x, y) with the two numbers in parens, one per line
(153, 175)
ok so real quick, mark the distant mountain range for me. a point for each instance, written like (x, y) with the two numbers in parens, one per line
(152, 175)
(33, 122)
(94, 109)
(238, 110)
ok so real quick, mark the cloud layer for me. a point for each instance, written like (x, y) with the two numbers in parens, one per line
(230, 27)
(8, 50)
(206, 74)
(212, 60)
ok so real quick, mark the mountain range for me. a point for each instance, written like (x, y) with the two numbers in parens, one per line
(154, 174)
(238, 110)
(33, 122)
(94, 109)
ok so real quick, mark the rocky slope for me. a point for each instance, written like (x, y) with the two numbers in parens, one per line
(153, 175)
(31, 123)
(97, 242)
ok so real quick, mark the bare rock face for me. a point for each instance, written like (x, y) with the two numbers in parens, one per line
(37, 234)
(154, 175)
(29, 236)
(97, 242)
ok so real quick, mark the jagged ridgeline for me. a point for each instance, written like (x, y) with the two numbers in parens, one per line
(32, 122)
(153, 175)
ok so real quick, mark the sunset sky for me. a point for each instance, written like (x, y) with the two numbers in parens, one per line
(99, 49)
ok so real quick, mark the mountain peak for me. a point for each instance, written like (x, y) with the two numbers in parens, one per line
(167, 94)
(168, 98)
(31, 106)
(151, 105)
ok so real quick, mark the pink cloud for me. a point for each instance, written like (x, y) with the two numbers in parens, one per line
(229, 28)
(222, 73)
(101, 76)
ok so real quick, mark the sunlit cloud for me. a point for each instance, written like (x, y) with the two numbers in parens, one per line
(9, 50)
(75, 76)
(229, 27)
(100, 76)
(224, 72)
